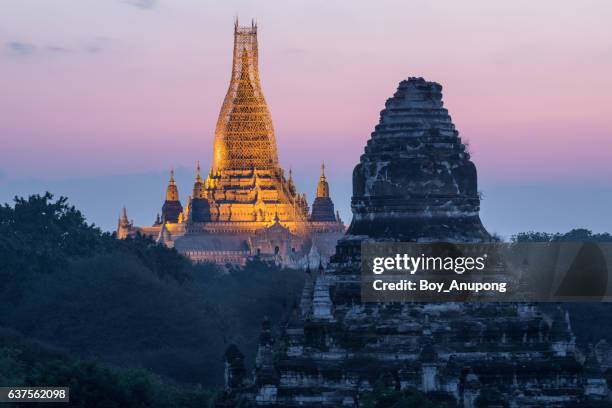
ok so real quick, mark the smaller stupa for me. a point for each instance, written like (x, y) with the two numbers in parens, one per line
(323, 206)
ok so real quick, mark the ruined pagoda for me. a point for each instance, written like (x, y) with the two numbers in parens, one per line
(414, 182)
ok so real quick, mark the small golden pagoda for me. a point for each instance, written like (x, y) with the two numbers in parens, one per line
(246, 206)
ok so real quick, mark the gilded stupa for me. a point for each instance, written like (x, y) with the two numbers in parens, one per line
(246, 185)
(246, 206)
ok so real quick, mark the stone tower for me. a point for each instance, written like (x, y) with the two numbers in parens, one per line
(322, 207)
(415, 180)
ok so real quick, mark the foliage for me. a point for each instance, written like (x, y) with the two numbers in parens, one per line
(575, 235)
(40, 235)
(130, 302)
(582, 314)
(92, 384)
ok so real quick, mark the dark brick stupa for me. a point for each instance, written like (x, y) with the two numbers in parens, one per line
(415, 181)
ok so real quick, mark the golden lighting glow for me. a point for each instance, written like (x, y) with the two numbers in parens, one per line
(172, 191)
(244, 136)
(246, 184)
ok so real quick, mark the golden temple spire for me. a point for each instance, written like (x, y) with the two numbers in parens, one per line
(199, 187)
(124, 216)
(172, 191)
(198, 173)
(323, 186)
(244, 136)
(124, 226)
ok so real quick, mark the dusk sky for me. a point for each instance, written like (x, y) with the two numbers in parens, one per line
(99, 99)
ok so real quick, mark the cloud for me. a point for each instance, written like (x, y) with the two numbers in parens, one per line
(20, 49)
(57, 49)
(93, 46)
(142, 4)
(99, 44)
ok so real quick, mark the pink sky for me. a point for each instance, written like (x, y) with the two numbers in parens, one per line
(97, 88)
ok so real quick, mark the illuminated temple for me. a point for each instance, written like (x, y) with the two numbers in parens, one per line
(246, 205)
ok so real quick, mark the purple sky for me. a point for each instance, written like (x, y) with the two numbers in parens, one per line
(94, 89)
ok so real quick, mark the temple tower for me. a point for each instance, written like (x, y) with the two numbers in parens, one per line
(244, 137)
(124, 225)
(172, 207)
(200, 206)
(246, 186)
(415, 180)
(323, 207)
(245, 205)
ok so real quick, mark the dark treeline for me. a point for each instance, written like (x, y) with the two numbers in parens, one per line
(575, 235)
(590, 321)
(127, 303)
(92, 384)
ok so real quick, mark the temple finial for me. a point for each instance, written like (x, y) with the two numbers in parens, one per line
(198, 172)
(171, 192)
(323, 185)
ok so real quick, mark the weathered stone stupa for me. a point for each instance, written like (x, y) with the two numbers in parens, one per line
(415, 182)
